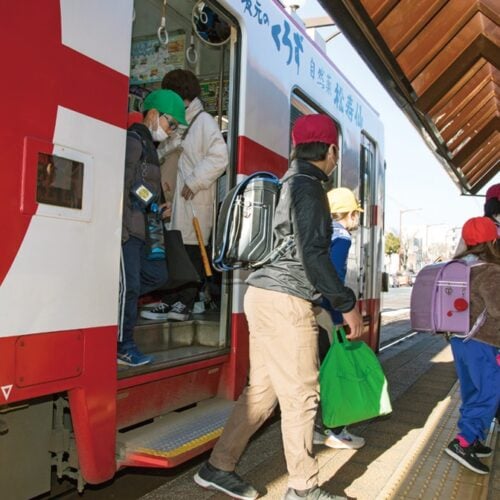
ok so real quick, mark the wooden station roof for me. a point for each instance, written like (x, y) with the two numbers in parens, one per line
(439, 59)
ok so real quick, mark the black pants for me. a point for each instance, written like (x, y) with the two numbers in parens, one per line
(188, 293)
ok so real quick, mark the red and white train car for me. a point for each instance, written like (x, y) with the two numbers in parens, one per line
(72, 71)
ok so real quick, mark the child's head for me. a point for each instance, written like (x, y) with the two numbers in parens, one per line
(480, 236)
(344, 207)
(492, 203)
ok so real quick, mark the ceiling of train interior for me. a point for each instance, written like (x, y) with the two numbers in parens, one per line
(439, 59)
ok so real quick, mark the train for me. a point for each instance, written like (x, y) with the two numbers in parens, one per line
(76, 69)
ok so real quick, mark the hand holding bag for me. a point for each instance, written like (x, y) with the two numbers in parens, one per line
(353, 386)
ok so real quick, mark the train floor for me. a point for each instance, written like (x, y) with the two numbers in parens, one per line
(403, 457)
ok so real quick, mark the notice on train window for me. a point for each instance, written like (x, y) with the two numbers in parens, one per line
(150, 59)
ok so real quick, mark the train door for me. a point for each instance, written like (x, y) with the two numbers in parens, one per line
(199, 37)
(367, 222)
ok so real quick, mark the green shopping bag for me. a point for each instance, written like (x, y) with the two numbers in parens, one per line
(353, 386)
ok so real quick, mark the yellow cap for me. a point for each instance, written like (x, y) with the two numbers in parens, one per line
(342, 200)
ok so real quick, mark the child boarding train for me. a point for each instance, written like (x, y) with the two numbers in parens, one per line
(76, 69)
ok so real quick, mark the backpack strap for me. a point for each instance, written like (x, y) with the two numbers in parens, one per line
(288, 241)
(134, 134)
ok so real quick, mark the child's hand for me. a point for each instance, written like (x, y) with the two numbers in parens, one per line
(355, 322)
(166, 210)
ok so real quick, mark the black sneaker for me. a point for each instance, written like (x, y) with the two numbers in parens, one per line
(178, 312)
(228, 482)
(157, 311)
(481, 450)
(312, 494)
(466, 457)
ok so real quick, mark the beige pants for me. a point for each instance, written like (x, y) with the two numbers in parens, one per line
(284, 368)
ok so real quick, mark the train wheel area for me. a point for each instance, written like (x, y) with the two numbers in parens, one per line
(403, 457)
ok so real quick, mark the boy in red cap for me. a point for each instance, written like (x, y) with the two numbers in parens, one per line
(283, 329)
(476, 356)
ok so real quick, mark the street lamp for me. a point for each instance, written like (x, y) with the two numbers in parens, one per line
(403, 251)
(427, 226)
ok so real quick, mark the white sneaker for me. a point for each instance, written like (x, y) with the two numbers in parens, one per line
(155, 311)
(344, 440)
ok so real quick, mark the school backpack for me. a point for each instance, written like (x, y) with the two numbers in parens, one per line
(244, 236)
(440, 298)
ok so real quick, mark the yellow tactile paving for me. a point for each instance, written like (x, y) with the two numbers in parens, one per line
(427, 472)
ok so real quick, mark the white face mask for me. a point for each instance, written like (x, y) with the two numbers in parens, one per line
(496, 217)
(159, 135)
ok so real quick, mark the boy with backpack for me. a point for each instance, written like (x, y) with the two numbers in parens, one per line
(476, 354)
(283, 329)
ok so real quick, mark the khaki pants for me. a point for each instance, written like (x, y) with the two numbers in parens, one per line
(284, 368)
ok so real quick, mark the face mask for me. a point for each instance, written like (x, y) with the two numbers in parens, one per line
(159, 135)
(496, 217)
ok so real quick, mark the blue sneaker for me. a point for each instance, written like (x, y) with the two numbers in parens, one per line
(133, 357)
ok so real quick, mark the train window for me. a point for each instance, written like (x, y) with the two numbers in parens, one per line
(59, 181)
(63, 180)
(301, 105)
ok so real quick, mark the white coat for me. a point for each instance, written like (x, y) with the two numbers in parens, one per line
(203, 160)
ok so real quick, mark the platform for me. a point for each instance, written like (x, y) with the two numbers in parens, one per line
(403, 457)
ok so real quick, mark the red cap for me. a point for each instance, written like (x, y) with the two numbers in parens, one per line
(314, 128)
(134, 117)
(479, 230)
(493, 192)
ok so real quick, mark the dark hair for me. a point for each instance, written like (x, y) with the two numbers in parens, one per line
(182, 81)
(487, 252)
(492, 207)
(310, 151)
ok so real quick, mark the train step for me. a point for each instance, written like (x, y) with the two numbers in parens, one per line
(174, 438)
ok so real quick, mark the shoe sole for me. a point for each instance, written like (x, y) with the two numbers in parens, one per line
(464, 462)
(212, 486)
(126, 363)
(343, 446)
(150, 315)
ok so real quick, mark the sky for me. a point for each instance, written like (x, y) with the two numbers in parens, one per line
(415, 180)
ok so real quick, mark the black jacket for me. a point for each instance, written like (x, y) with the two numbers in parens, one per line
(305, 270)
(140, 149)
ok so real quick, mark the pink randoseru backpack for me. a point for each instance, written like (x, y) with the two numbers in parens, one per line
(440, 298)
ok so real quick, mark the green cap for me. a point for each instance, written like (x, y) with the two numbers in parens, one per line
(166, 102)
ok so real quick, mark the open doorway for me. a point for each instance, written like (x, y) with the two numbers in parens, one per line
(198, 37)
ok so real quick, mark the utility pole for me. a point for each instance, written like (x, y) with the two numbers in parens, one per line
(427, 226)
(402, 251)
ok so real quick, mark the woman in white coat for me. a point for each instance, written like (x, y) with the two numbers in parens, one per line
(203, 159)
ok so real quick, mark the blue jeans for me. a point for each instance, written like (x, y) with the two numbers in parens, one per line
(141, 276)
(479, 377)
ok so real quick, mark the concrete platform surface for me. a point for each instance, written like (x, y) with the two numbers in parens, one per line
(403, 457)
